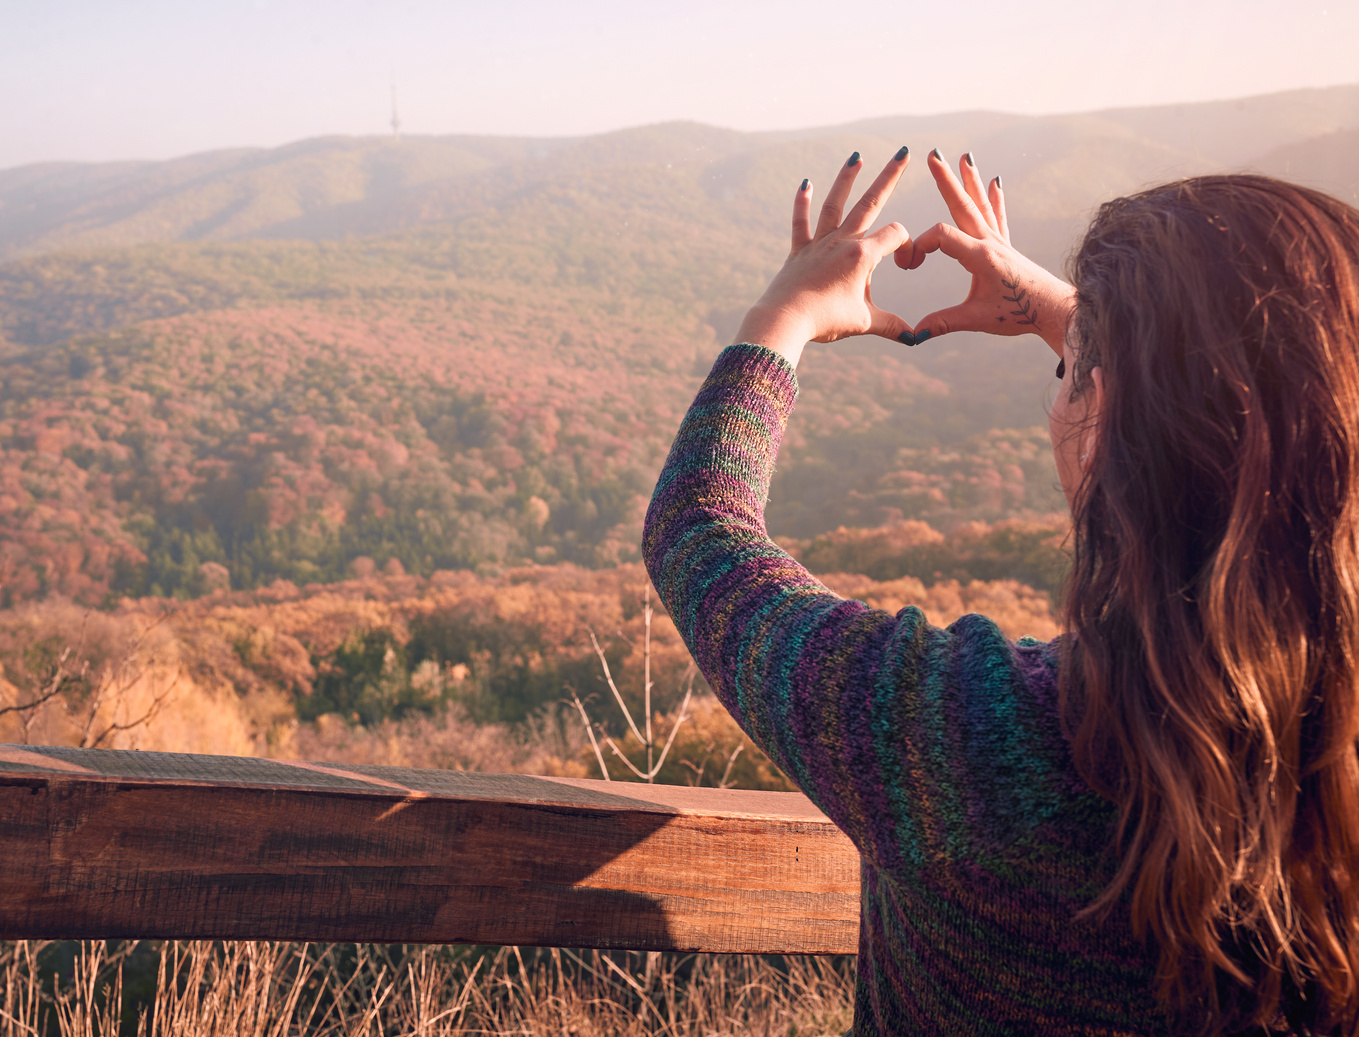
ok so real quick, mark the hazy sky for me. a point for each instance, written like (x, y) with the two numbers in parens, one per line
(105, 79)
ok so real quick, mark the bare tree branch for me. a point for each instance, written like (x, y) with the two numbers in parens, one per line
(53, 687)
(45, 697)
(731, 762)
(630, 765)
(614, 687)
(650, 773)
(647, 740)
(589, 730)
(683, 716)
(157, 704)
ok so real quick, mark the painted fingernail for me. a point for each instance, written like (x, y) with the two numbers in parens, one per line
(937, 155)
(907, 338)
(903, 152)
(998, 187)
(1061, 369)
(805, 184)
(921, 336)
(969, 160)
(853, 159)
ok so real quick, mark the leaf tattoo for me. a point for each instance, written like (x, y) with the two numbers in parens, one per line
(1027, 312)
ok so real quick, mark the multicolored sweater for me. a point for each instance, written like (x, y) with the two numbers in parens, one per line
(939, 752)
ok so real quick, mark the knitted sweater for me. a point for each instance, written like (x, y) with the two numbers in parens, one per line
(938, 752)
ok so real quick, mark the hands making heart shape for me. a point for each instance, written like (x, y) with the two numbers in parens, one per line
(824, 290)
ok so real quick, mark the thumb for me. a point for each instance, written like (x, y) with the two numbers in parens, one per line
(889, 325)
(904, 256)
(886, 240)
(941, 322)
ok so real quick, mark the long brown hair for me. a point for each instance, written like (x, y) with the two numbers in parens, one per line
(1212, 685)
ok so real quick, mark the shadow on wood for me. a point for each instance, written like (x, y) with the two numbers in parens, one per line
(106, 843)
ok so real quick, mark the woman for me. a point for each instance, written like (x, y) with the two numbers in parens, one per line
(1150, 825)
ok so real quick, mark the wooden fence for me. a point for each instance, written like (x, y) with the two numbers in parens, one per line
(104, 843)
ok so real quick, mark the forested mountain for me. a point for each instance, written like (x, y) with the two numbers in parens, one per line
(1055, 167)
(441, 353)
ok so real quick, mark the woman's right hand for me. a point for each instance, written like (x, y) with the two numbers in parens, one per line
(824, 291)
(1010, 294)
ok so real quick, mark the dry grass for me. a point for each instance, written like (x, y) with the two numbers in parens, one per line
(446, 740)
(282, 989)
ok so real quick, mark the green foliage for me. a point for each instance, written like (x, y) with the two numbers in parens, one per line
(367, 680)
(505, 670)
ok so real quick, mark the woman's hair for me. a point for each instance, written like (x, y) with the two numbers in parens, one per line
(1212, 683)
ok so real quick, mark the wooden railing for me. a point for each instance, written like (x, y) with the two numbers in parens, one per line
(104, 844)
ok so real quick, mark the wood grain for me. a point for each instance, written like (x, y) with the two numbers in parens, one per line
(105, 843)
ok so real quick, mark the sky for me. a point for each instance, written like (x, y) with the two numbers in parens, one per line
(98, 80)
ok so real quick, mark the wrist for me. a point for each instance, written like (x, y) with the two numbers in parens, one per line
(778, 328)
(1056, 301)
(1060, 300)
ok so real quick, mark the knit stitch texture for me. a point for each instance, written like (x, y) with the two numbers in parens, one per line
(939, 752)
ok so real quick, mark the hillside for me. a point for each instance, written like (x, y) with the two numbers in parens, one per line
(461, 428)
(470, 353)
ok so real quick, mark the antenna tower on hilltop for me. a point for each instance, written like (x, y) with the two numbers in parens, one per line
(396, 119)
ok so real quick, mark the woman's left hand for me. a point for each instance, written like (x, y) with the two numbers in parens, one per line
(823, 292)
(1010, 293)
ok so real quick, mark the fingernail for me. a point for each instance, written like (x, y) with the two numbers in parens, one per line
(805, 184)
(998, 186)
(921, 336)
(903, 152)
(853, 159)
(1061, 369)
(907, 338)
(937, 155)
(968, 159)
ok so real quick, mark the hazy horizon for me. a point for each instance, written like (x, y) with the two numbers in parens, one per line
(149, 81)
(810, 128)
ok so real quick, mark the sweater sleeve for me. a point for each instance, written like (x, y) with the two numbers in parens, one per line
(831, 689)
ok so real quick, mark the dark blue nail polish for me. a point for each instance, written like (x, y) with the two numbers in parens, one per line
(903, 152)
(969, 160)
(907, 338)
(937, 155)
(805, 184)
(998, 187)
(921, 336)
(853, 159)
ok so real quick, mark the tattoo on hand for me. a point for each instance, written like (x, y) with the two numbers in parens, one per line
(1027, 312)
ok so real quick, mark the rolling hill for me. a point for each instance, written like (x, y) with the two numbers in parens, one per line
(468, 353)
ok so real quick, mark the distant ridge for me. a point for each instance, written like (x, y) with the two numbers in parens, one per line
(1056, 168)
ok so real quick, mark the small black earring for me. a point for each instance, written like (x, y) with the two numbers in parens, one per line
(1061, 369)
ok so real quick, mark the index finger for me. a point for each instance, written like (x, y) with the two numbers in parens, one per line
(802, 216)
(866, 209)
(964, 212)
(835, 197)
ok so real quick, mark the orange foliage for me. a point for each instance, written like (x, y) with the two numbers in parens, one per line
(245, 665)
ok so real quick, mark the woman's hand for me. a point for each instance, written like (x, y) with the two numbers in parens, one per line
(1010, 294)
(823, 293)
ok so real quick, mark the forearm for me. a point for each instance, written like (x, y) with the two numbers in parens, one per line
(712, 490)
(828, 687)
(777, 328)
(706, 548)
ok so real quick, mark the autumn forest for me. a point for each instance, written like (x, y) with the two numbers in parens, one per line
(348, 443)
